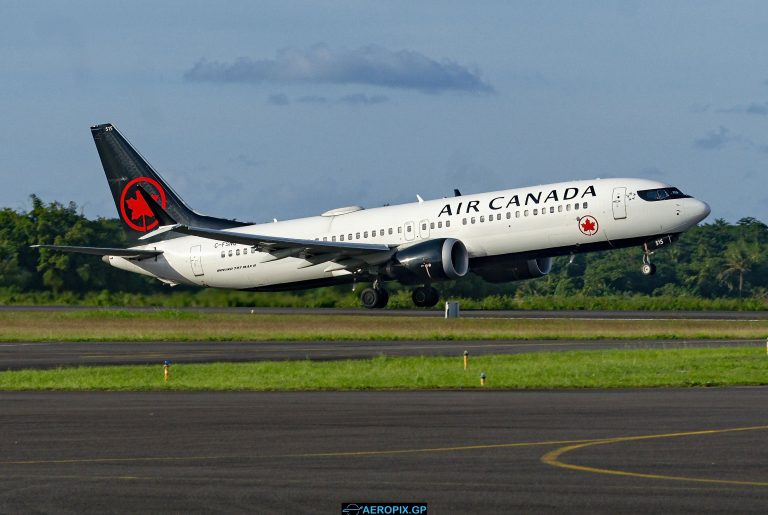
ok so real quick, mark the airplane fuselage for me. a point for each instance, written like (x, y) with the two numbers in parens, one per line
(527, 223)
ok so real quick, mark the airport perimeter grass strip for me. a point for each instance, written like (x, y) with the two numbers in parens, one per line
(543, 370)
(194, 326)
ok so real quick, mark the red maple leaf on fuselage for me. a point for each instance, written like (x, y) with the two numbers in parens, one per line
(139, 207)
(588, 226)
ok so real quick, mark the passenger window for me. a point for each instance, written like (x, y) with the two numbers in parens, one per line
(223, 254)
(498, 216)
(509, 215)
(357, 235)
(399, 230)
(423, 227)
(333, 238)
(576, 207)
(432, 225)
(517, 214)
(325, 238)
(245, 251)
(381, 232)
(482, 219)
(439, 225)
(526, 212)
(535, 212)
(584, 205)
(229, 253)
(447, 223)
(472, 219)
(408, 228)
(463, 221)
(568, 207)
(560, 209)
(349, 237)
(365, 234)
(389, 230)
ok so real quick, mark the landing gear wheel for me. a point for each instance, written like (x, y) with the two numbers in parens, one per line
(425, 296)
(383, 298)
(648, 268)
(373, 298)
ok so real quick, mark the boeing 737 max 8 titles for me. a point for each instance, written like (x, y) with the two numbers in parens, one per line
(501, 236)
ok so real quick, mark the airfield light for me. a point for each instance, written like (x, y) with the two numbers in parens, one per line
(482, 378)
(166, 369)
(466, 359)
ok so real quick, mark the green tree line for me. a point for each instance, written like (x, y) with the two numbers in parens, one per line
(716, 260)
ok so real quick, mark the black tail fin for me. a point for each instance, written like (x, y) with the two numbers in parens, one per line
(127, 171)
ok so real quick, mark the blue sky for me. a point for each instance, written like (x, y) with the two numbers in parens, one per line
(283, 109)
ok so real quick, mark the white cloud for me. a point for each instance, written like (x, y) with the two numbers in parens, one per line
(370, 65)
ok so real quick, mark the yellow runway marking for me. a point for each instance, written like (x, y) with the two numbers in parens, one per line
(553, 457)
(300, 455)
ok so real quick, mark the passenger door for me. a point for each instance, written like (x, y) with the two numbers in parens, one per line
(196, 260)
(619, 203)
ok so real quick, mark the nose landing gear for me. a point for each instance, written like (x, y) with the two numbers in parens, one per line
(648, 268)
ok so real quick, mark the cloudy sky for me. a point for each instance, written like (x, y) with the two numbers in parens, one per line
(281, 109)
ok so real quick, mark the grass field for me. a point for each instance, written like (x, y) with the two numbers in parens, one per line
(544, 370)
(188, 326)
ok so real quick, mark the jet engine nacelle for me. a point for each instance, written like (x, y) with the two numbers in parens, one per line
(515, 270)
(433, 260)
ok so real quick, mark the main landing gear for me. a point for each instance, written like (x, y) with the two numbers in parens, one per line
(374, 298)
(377, 297)
(648, 268)
(425, 296)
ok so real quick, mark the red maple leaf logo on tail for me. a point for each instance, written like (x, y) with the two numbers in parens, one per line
(134, 209)
(139, 207)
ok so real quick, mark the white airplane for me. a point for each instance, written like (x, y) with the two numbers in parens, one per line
(501, 236)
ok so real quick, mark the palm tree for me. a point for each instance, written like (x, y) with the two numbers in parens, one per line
(740, 256)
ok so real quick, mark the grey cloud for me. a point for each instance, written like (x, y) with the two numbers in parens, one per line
(279, 99)
(355, 99)
(312, 99)
(757, 108)
(721, 138)
(371, 65)
(715, 140)
(363, 99)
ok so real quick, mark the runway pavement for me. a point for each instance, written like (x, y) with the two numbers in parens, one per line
(624, 451)
(20, 355)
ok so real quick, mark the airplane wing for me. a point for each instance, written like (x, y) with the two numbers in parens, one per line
(103, 251)
(270, 243)
(279, 247)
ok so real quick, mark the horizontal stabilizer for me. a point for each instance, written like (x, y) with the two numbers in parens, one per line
(103, 251)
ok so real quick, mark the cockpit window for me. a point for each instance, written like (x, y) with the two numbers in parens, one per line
(661, 194)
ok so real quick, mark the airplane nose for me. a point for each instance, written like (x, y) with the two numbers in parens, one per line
(699, 210)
